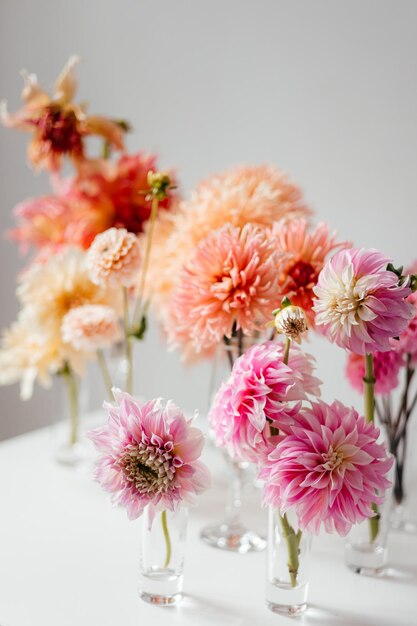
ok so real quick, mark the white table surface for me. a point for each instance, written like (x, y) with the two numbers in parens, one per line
(67, 558)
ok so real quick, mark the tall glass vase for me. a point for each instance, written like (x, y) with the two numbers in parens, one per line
(232, 532)
(366, 547)
(288, 562)
(69, 447)
(161, 563)
(404, 512)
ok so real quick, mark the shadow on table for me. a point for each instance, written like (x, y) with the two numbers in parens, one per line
(320, 616)
(401, 574)
(215, 613)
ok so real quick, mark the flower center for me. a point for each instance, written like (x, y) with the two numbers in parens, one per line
(60, 129)
(332, 459)
(302, 273)
(149, 468)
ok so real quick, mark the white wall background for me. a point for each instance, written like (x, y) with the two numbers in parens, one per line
(325, 89)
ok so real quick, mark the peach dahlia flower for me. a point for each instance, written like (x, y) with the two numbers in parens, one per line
(91, 327)
(257, 195)
(230, 281)
(113, 258)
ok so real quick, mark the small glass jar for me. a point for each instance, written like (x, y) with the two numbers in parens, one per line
(162, 549)
(366, 547)
(288, 563)
(69, 448)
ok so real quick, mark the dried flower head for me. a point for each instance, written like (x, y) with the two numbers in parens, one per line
(57, 124)
(113, 258)
(91, 327)
(149, 455)
(291, 321)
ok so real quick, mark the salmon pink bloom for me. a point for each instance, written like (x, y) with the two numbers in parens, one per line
(230, 280)
(330, 468)
(58, 125)
(261, 393)
(91, 327)
(149, 456)
(113, 258)
(387, 366)
(253, 194)
(304, 255)
(359, 304)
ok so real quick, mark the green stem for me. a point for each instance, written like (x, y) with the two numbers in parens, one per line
(292, 540)
(105, 373)
(287, 350)
(369, 399)
(128, 342)
(369, 384)
(167, 538)
(72, 390)
(152, 219)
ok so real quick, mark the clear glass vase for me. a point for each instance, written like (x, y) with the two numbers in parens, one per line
(70, 450)
(404, 512)
(288, 563)
(232, 532)
(366, 547)
(162, 549)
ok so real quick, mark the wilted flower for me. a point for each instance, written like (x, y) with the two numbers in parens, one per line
(330, 468)
(113, 258)
(231, 280)
(258, 395)
(58, 125)
(360, 304)
(304, 255)
(387, 366)
(149, 456)
(291, 321)
(91, 327)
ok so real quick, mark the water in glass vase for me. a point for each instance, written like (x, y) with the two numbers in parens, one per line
(162, 557)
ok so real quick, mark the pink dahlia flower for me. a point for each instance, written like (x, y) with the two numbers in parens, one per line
(231, 279)
(330, 468)
(407, 342)
(387, 366)
(305, 253)
(257, 396)
(149, 456)
(360, 304)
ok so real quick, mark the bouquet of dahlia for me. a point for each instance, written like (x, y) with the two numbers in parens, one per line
(84, 289)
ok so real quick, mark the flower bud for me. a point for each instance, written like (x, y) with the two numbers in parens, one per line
(291, 321)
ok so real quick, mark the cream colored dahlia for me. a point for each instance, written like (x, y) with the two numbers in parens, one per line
(258, 195)
(113, 258)
(91, 327)
(26, 356)
(48, 291)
